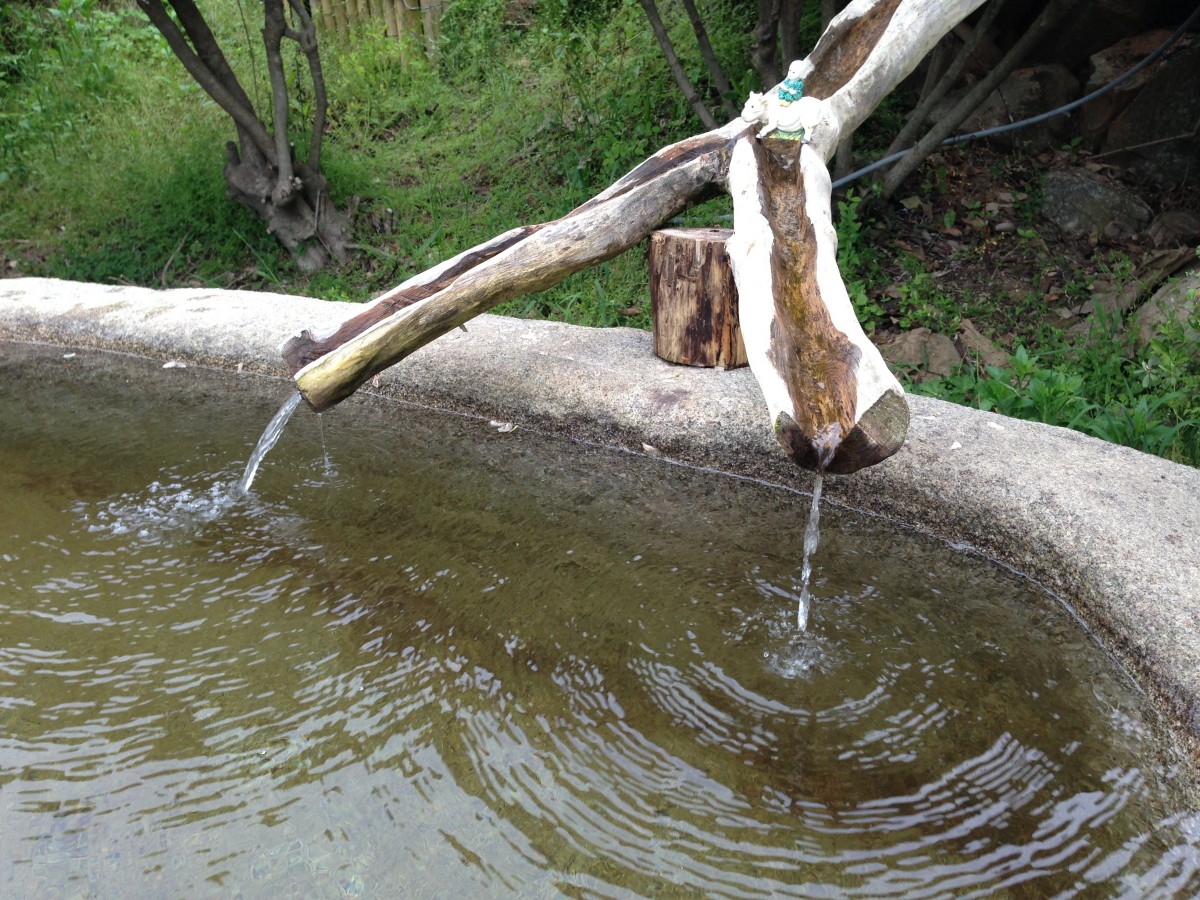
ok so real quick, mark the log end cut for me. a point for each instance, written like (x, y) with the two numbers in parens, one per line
(877, 434)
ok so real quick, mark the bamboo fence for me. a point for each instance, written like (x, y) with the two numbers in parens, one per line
(411, 22)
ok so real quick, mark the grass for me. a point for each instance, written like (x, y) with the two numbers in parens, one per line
(1147, 399)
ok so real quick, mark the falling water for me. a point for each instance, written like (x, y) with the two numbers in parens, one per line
(268, 440)
(826, 445)
(811, 536)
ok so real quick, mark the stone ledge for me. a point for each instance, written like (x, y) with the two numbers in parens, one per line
(1113, 531)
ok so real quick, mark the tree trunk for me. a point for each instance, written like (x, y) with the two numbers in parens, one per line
(831, 400)
(764, 55)
(694, 299)
(261, 170)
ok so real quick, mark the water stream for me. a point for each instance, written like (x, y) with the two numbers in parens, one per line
(812, 535)
(270, 437)
(826, 445)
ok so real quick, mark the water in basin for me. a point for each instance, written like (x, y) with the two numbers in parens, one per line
(452, 662)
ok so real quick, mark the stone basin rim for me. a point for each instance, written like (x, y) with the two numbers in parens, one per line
(1113, 532)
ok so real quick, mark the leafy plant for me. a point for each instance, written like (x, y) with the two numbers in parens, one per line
(857, 263)
(1096, 390)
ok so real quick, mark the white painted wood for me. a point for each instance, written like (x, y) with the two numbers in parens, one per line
(749, 250)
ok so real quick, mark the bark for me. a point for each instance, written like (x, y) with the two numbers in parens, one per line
(694, 299)
(680, 76)
(765, 53)
(307, 39)
(831, 399)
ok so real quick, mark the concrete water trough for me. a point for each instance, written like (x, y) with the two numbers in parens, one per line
(1113, 532)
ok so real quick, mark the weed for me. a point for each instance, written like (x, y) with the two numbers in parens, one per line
(859, 265)
(1150, 401)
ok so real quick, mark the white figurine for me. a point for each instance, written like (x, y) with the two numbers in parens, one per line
(796, 120)
(786, 110)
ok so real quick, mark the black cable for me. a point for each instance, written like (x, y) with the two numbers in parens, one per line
(1033, 120)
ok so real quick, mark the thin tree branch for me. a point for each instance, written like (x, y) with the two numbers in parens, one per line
(931, 98)
(724, 88)
(273, 28)
(207, 48)
(681, 79)
(230, 98)
(1054, 12)
(308, 44)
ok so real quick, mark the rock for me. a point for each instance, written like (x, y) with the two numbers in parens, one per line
(1029, 92)
(1178, 299)
(1175, 228)
(923, 353)
(1080, 202)
(1109, 64)
(1154, 134)
(1102, 22)
(973, 345)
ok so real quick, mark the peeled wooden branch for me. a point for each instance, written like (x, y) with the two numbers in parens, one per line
(519, 262)
(832, 401)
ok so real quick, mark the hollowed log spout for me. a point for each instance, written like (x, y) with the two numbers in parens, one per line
(833, 403)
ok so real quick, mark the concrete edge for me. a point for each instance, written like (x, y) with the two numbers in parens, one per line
(1114, 532)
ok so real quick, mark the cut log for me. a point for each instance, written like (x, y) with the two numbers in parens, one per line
(693, 298)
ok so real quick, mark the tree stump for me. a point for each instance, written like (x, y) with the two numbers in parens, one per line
(693, 298)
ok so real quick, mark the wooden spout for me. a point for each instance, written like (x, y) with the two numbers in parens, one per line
(819, 372)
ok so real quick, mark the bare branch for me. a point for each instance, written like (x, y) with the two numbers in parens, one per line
(229, 96)
(681, 79)
(1055, 11)
(273, 29)
(714, 67)
(930, 98)
(308, 44)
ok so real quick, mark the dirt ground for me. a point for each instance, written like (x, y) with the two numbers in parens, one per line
(972, 216)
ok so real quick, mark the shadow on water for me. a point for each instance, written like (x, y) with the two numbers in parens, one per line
(453, 662)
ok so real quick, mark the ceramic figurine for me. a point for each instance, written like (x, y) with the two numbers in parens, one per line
(795, 120)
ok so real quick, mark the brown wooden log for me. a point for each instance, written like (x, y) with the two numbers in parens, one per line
(693, 298)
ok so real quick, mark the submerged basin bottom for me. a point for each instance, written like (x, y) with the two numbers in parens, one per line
(427, 656)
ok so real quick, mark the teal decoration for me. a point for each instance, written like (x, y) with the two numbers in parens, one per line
(791, 90)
